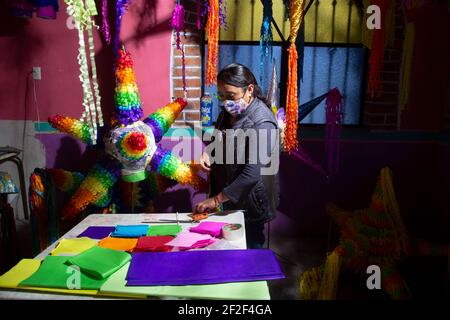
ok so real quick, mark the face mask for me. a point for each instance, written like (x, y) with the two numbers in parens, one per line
(235, 107)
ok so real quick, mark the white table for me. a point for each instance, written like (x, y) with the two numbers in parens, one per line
(125, 219)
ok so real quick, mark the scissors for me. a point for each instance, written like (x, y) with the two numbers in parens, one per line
(195, 217)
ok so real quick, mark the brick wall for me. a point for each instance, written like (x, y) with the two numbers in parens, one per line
(192, 42)
(380, 112)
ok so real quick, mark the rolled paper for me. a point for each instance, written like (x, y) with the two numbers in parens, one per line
(232, 232)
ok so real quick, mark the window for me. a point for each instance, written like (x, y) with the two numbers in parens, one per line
(325, 67)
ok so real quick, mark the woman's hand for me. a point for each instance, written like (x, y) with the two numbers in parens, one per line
(207, 205)
(205, 162)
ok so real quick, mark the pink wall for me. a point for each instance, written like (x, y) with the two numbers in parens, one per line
(25, 43)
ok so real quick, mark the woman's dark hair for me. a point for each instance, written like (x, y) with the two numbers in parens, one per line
(240, 76)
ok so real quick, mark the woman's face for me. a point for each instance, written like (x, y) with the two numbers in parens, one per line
(229, 92)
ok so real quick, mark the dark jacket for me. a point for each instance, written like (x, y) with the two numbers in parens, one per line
(243, 183)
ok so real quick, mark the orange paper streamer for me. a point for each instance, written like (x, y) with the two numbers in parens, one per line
(290, 136)
(212, 28)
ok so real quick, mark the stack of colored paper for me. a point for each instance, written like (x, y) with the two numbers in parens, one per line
(164, 230)
(71, 247)
(209, 227)
(202, 267)
(123, 244)
(156, 243)
(54, 272)
(97, 232)
(131, 231)
(100, 263)
(189, 240)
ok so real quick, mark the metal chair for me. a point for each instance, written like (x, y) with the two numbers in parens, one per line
(12, 154)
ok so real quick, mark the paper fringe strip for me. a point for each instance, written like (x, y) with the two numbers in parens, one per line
(121, 6)
(334, 118)
(203, 7)
(266, 36)
(212, 28)
(105, 24)
(178, 26)
(178, 21)
(290, 137)
(91, 100)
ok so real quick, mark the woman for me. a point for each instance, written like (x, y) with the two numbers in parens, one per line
(246, 185)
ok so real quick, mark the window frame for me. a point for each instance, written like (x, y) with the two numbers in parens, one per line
(284, 74)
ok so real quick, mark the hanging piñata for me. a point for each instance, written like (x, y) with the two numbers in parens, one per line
(130, 144)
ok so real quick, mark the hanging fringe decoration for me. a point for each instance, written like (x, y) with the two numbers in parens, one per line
(266, 36)
(287, 8)
(296, 15)
(105, 24)
(183, 70)
(300, 44)
(300, 154)
(178, 26)
(223, 14)
(203, 8)
(199, 16)
(334, 118)
(272, 92)
(82, 14)
(178, 21)
(377, 50)
(212, 28)
(121, 6)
